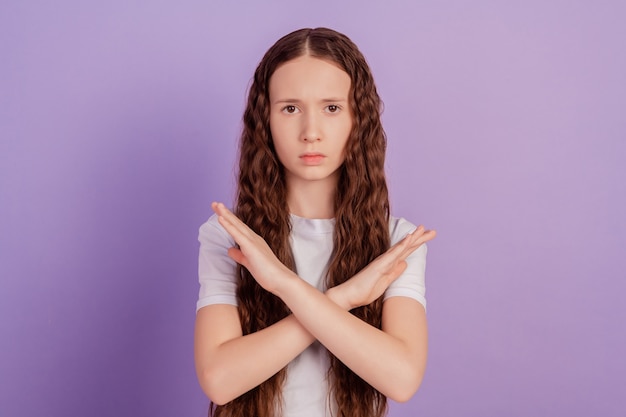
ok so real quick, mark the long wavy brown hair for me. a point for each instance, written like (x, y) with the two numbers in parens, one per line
(361, 214)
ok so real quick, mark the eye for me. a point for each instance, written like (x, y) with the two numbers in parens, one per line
(290, 109)
(332, 108)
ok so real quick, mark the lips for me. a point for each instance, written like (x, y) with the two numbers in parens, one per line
(312, 158)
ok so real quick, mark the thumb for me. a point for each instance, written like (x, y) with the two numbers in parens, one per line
(237, 256)
(397, 270)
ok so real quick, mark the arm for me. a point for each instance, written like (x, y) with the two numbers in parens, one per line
(391, 360)
(229, 364)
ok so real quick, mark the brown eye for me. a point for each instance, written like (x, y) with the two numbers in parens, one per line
(289, 109)
(332, 108)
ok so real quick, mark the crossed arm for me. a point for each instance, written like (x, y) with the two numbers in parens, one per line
(392, 360)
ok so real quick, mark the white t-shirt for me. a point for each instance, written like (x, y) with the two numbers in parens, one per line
(305, 391)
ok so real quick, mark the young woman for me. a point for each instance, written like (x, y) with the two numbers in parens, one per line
(312, 295)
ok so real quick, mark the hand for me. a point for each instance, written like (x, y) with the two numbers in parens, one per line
(253, 252)
(372, 281)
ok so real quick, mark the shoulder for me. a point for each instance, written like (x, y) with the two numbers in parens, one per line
(212, 231)
(216, 270)
(399, 227)
(411, 283)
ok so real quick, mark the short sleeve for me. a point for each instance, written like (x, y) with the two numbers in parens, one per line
(412, 282)
(217, 272)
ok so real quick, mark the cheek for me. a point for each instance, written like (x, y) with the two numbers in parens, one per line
(280, 129)
(347, 124)
(346, 131)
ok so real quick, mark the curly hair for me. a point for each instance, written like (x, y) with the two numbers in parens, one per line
(361, 214)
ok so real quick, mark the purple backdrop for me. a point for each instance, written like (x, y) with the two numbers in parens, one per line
(118, 124)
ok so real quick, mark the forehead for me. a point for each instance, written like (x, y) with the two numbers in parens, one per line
(307, 76)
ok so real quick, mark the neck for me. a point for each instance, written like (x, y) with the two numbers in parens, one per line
(312, 199)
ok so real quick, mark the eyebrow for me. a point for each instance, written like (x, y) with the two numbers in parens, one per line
(325, 100)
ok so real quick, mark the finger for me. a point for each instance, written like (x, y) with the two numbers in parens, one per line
(407, 245)
(400, 250)
(420, 239)
(406, 241)
(429, 235)
(223, 211)
(417, 238)
(418, 232)
(410, 239)
(218, 208)
(237, 256)
(424, 237)
(394, 273)
(398, 269)
(238, 235)
(231, 217)
(397, 253)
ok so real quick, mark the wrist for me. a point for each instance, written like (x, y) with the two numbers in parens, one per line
(285, 284)
(337, 296)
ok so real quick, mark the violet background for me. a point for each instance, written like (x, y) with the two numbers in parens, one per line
(507, 133)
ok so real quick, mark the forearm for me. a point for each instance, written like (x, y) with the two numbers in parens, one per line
(227, 369)
(391, 360)
(390, 364)
(229, 364)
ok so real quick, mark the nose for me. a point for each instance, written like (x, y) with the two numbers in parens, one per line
(311, 128)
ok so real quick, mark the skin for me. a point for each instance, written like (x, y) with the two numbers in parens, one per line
(229, 364)
(310, 119)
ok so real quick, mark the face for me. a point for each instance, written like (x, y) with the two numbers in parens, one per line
(310, 118)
